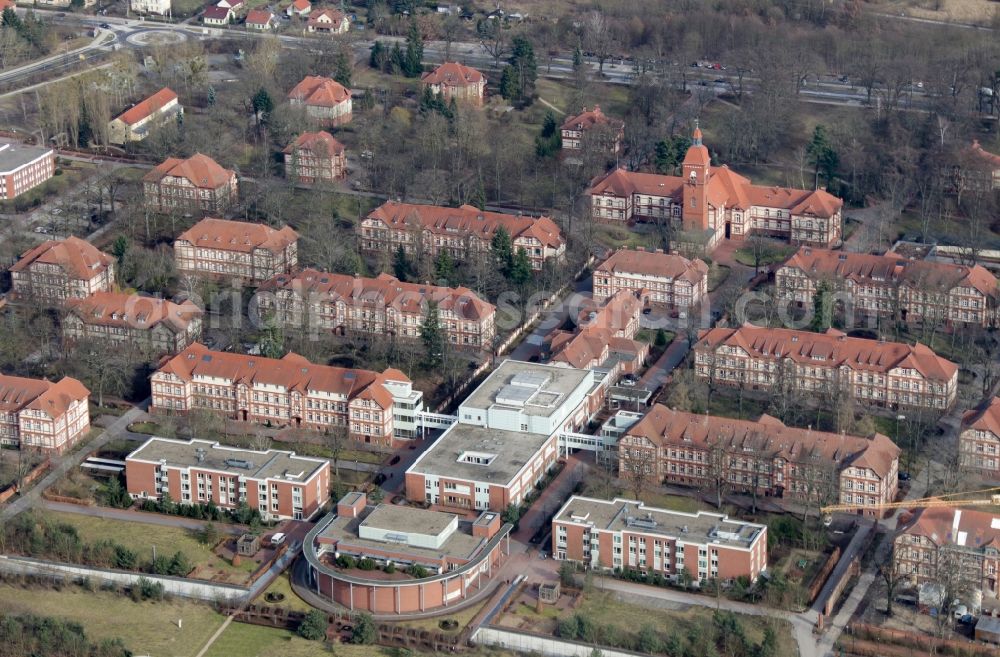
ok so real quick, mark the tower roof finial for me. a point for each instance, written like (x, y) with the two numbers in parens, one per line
(696, 135)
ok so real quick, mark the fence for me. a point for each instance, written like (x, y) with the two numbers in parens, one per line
(174, 585)
(35, 473)
(529, 642)
(860, 637)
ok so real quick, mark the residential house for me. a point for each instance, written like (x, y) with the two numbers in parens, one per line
(628, 535)
(976, 169)
(298, 8)
(380, 409)
(382, 306)
(462, 232)
(315, 157)
(786, 361)
(325, 100)
(23, 167)
(57, 270)
(453, 80)
(665, 279)
(197, 183)
(158, 7)
(592, 129)
(39, 414)
(717, 201)
(236, 250)
(760, 457)
(328, 21)
(218, 15)
(134, 123)
(279, 484)
(964, 542)
(915, 291)
(146, 324)
(261, 20)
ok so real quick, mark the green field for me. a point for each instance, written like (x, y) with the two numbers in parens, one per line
(143, 538)
(147, 628)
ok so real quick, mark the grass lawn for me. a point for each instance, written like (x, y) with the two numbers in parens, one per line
(152, 428)
(142, 537)
(291, 601)
(185, 8)
(147, 628)
(613, 98)
(617, 236)
(772, 255)
(243, 640)
(672, 502)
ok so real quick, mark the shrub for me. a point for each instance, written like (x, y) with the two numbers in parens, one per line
(417, 571)
(345, 561)
(313, 626)
(390, 568)
(365, 633)
(367, 564)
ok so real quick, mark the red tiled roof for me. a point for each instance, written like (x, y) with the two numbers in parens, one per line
(977, 151)
(984, 418)
(891, 268)
(334, 17)
(6, 3)
(320, 143)
(78, 258)
(201, 170)
(625, 183)
(664, 265)
(663, 426)
(17, 393)
(292, 372)
(452, 74)
(226, 235)
(301, 5)
(146, 108)
(466, 219)
(963, 527)
(133, 310)
(259, 17)
(217, 13)
(383, 291)
(832, 348)
(319, 91)
(587, 119)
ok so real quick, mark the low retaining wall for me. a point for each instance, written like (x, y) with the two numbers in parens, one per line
(187, 588)
(541, 644)
(35, 473)
(860, 633)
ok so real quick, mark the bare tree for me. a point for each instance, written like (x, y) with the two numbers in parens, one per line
(598, 37)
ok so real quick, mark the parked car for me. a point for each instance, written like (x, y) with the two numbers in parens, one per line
(105, 26)
(646, 311)
(277, 538)
(904, 476)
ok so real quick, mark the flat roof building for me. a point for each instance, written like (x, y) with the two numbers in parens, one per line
(279, 484)
(626, 534)
(23, 166)
(506, 437)
(438, 559)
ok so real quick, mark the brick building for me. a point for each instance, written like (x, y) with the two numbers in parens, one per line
(719, 201)
(39, 414)
(963, 541)
(236, 250)
(453, 80)
(148, 324)
(760, 456)
(979, 440)
(890, 286)
(315, 157)
(325, 100)
(290, 391)
(459, 556)
(279, 484)
(506, 438)
(592, 129)
(463, 232)
(382, 306)
(197, 184)
(664, 279)
(624, 534)
(22, 167)
(976, 169)
(603, 338)
(57, 270)
(890, 374)
(134, 123)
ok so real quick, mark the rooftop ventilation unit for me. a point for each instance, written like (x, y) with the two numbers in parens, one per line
(239, 463)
